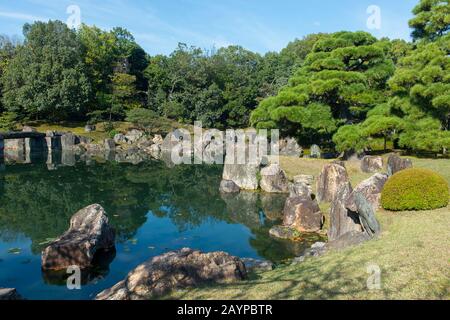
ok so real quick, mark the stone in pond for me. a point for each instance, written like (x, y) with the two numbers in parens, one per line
(274, 180)
(302, 214)
(89, 232)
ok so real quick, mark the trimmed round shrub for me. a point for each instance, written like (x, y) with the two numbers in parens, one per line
(415, 189)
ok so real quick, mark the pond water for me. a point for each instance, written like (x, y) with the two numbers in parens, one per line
(153, 208)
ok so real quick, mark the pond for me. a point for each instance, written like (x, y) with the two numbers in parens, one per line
(153, 208)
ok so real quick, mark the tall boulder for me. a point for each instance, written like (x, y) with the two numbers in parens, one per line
(274, 180)
(396, 164)
(342, 220)
(370, 164)
(315, 152)
(330, 181)
(175, 270)
(371, 190)
(88, 233)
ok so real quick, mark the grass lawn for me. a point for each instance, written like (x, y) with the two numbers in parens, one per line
(413, 254)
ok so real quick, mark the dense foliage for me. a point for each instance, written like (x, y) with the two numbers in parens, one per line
(348, 90)
(415, 189)
(341, 80)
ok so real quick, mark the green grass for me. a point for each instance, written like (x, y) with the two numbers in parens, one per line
(412, 253)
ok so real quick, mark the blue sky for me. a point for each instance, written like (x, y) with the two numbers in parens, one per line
(258, 25)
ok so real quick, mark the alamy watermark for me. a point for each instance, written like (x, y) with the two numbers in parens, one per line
(74, 19)
(374, 279)
(212, 146)
(374, 20)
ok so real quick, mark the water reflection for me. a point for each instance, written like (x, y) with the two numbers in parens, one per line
(153, 208)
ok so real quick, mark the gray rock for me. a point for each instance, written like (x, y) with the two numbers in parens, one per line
(302, 186)
(89, 232)
(396, 164)
(342, 220)
(315, 152)
(134, 136)
(371, 189)
(227, 186)
(330, 181)
(366, 215)
(185, 268)
(120, 138)
(9, 294)
(370, 164)
(303, 214)
(243, 175)
(274, 180)
(89, 128)
(28, 129)
(84, 140)
(68, 140)
(289, 147)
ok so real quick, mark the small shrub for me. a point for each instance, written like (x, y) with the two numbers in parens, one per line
(415, 189)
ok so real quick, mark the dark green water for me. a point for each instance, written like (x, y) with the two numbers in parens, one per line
(154, 209)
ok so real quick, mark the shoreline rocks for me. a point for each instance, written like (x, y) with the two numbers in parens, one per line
(302, 214)
(184, 268)
(89, 232)
(273, 179)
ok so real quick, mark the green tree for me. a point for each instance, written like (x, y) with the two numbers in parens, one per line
(340, 81)
(432, 19)
(47, 79)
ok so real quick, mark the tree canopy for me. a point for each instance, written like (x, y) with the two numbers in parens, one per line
(340, 81)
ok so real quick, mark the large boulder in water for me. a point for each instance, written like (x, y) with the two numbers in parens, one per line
(396, 164)
(342, 220)
(175, 270)
(330, 181)
(371, 189)
(274, 180)
(302, 214)
(371, 164)
(89, 232)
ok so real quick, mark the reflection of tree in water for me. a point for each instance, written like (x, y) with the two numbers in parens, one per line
(39, 203)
